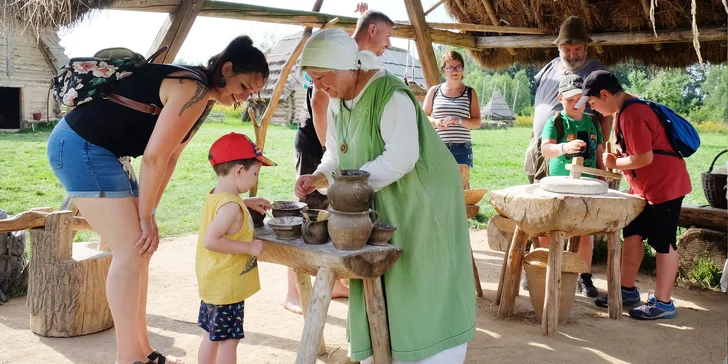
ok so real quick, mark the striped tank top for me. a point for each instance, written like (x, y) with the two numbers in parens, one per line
(443, 106)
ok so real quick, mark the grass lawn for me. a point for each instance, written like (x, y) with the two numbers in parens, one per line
(26, 181)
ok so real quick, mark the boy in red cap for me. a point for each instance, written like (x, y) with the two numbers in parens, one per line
(225, 264)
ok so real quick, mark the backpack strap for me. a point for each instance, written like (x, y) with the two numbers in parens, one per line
(156, 54)
(135, 105)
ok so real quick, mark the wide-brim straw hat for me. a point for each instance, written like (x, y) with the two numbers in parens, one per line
(573, 31)
(571, 262)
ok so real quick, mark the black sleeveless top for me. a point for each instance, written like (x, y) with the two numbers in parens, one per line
(121, 130)
(307, 141)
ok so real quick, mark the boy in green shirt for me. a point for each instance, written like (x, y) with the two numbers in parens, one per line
(576, 136)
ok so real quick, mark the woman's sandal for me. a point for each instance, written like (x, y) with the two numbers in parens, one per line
(157, 358)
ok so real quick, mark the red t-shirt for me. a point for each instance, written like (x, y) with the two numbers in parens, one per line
(666, 178)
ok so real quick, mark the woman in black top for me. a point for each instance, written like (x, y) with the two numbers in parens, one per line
(87, 152)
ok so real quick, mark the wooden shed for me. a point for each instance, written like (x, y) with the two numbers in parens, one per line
(27, 65)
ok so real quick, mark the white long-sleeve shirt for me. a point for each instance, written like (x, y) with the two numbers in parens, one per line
(399, 132)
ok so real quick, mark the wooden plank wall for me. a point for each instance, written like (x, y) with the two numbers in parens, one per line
(25, 67)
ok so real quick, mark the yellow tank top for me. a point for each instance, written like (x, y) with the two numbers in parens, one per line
(225, 278)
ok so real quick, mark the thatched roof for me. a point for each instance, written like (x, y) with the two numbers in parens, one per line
(39, 15)
(497, 109)
(395, 60)
(601, 16)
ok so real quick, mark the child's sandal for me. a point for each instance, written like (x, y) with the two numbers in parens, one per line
(156, 358)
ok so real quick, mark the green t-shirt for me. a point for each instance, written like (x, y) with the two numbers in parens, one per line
(584, 129)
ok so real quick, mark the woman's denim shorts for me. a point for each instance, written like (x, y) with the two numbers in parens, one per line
(463, 152)
(85, 169)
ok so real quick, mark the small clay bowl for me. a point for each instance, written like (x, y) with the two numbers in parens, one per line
(257, 218)
(381, 234)
(286, 227)
(288, 208)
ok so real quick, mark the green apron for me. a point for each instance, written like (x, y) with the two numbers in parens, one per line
(429, 291)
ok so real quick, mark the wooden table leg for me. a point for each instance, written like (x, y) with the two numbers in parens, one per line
(574, 244)
(551, 300)
(303, 281)
(313, 327)
(476, 276)
(377, 315)
(512, 276)
(614, 279)
(503, 273)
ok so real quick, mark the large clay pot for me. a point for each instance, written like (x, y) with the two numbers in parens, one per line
(351, 191)
(536, 277)
(351, 230)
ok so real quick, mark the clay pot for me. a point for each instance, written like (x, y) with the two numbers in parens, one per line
(287, 208)
(351, 230)
(257, 218)
(315, 232)
(381, 234)
(287, 227)
(351, 191)
(536, 277)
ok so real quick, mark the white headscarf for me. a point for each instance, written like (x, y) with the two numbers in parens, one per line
(336, 50)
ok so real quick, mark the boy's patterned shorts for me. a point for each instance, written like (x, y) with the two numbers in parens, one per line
(222, 322)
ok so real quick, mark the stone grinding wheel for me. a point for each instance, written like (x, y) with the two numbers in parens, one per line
(581, 186)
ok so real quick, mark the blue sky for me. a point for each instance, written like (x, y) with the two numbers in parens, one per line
(137, 30)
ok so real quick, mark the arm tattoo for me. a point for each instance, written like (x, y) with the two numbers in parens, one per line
(199, 94)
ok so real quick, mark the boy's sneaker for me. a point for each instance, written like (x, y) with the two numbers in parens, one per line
(629, 298)
(585, 285)
(653, 310)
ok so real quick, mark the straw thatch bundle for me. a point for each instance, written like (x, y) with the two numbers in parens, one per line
(601, 16)
(35, 16)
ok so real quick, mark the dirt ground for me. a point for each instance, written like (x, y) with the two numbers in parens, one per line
(699, 334)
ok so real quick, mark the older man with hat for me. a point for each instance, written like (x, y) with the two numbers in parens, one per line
(572, 42)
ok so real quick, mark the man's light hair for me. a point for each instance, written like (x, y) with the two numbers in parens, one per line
(371, 17)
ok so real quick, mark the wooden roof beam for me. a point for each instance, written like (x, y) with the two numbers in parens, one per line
(249, 12)
(175, 29)
(494, 19)
(424, 43)
(707, 34)
(486, 28)
(433, 7)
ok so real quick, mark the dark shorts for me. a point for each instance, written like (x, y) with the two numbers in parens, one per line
(658, 224)
(85, 169)
(463, 152)
(222, 322)
(307, 164)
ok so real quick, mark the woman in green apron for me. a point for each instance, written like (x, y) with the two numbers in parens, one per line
(375, 124)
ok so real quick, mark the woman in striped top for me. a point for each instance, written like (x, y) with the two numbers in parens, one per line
(453, 109)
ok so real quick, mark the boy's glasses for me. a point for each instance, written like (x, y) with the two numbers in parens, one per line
(451, 68)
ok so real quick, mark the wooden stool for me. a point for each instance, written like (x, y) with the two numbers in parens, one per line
(536, 213)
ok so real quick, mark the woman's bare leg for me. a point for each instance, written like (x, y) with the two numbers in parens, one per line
(116, 221)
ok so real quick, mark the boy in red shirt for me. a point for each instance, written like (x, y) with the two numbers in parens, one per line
(655, 172)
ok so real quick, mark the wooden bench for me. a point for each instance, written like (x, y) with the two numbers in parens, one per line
(706, 236)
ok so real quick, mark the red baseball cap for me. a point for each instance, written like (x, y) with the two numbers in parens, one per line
(234, 146)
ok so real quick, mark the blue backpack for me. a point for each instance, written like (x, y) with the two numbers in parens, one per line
(682, 135)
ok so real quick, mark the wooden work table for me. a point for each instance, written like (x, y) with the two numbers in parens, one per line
(329, 264)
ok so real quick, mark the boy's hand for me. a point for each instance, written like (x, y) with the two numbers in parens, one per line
(258, 204)
(361, 8)
(256, 247)
(574, 146)
(610, 160)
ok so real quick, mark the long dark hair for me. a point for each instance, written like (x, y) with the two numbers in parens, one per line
(245, 59)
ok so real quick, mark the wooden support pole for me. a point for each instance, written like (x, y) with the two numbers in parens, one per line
(551, 300)
(485, 28)
(424, 43)
(377, 314)
(303, 282)
(574, 244)
(494, 20)
(476, 276)
(504, 268)
(433, 7)
(512, 276)
(614, 280)
(707, 34)
(313, 327)
(174, 30)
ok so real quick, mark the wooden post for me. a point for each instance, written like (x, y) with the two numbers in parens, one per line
(499, 293)
(303, 282)
(433, 7)
(174, 30)
(512, 276)
(614, 279)
(424, 43)
(552, 297)
(574, 244)
(67, 296)
(377, 315)
(476, 276)
(313, 327)
(494, 20)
